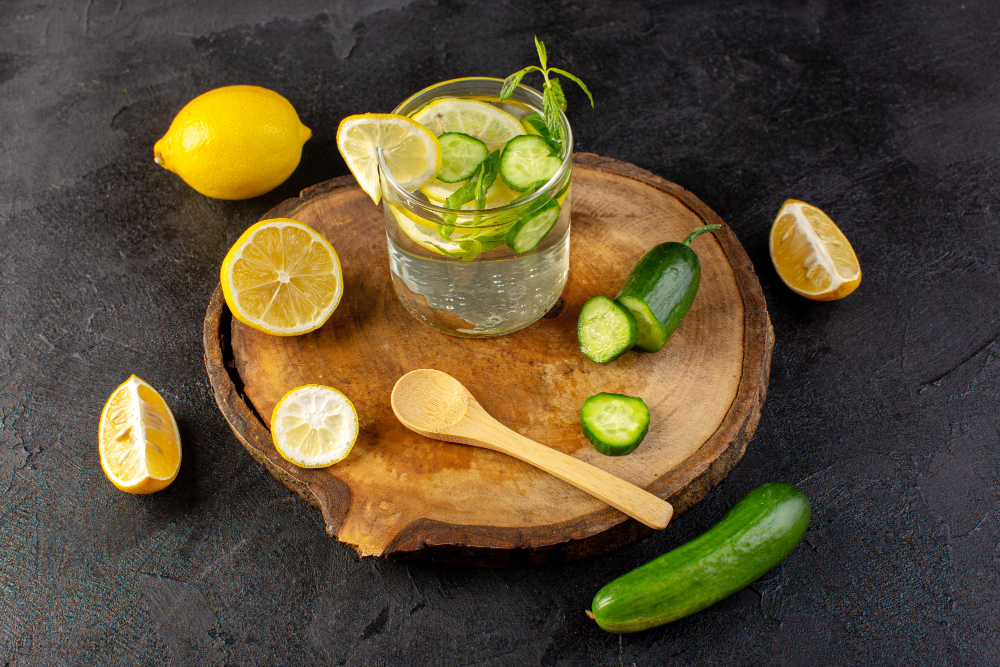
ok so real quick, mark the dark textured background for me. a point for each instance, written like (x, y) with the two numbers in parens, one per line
(882, 407)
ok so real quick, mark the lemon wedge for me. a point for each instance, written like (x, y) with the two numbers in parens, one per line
(491, 125)
(314, 426)
(810, 253)
(140, 446)
(411, 151)
(282, 277)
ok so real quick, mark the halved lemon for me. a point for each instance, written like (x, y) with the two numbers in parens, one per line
(491, 125)
(811, 255)
(411, 151)
(140, 446)
(281, 277)
(314, 426)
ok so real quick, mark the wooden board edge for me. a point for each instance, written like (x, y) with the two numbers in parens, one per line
(248, 425)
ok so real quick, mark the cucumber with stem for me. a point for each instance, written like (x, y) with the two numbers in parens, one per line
(660, 289)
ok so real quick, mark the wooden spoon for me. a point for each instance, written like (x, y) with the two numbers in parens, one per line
(435, 404)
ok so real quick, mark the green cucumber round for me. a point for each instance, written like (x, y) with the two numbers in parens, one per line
(615, 424)
(606, 330)
(461, 155)
(526, 160)
(749, 540)
(660, 289)
(528, 232)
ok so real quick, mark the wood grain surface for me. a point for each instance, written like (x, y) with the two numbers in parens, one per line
(403, 495)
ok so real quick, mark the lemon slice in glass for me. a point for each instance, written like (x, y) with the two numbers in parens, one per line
(140, 446)
(412, 152)
(498, 195)
(314, 426)
(281, 277)
(424, 233)
(491, 125)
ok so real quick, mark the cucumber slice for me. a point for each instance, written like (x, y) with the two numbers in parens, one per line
(529, 231)
(614, 423)
(460, 156)
(606, 329)
(652, 335)
(527, 159)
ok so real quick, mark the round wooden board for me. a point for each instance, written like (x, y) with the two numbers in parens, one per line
(404, 496)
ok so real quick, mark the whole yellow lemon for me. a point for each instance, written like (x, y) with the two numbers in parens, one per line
(234, 142)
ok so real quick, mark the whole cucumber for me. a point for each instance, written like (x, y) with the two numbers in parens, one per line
(660, 288)
(748, 541)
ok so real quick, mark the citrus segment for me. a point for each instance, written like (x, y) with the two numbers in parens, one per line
(282, 277)
(491, 125)
(314, 426)
(411, 151)
(810, 253)
(140, 446)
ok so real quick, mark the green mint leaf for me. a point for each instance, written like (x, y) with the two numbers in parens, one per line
(538, 123)
(491, 167)
(466, 193)
(557, 93)
(541, 52)
(576, 81)
(449, 253)
(445, 231)
(472, 250)
(511, 83)
(550, 105)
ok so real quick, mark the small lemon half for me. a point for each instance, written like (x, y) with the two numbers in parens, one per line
(314, 426)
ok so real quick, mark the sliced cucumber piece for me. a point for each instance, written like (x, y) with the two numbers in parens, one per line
(527, 159)
(460, 156)
(529, 231)
(614, 423)
(606, 329)
(652, 335)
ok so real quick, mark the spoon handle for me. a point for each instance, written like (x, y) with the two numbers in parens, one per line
(637, 503)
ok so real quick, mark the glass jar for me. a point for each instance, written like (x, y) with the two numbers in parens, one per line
(457, 271)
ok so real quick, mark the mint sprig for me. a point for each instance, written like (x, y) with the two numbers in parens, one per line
(553, 99)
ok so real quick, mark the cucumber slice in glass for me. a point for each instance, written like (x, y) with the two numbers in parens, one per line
(527, 159)
(529, 231)
(460, 156)
(652, 335)
(606, 329)
(614, 423)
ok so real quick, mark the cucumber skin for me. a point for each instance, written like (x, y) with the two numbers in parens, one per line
(666, 279)
(753, 537)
